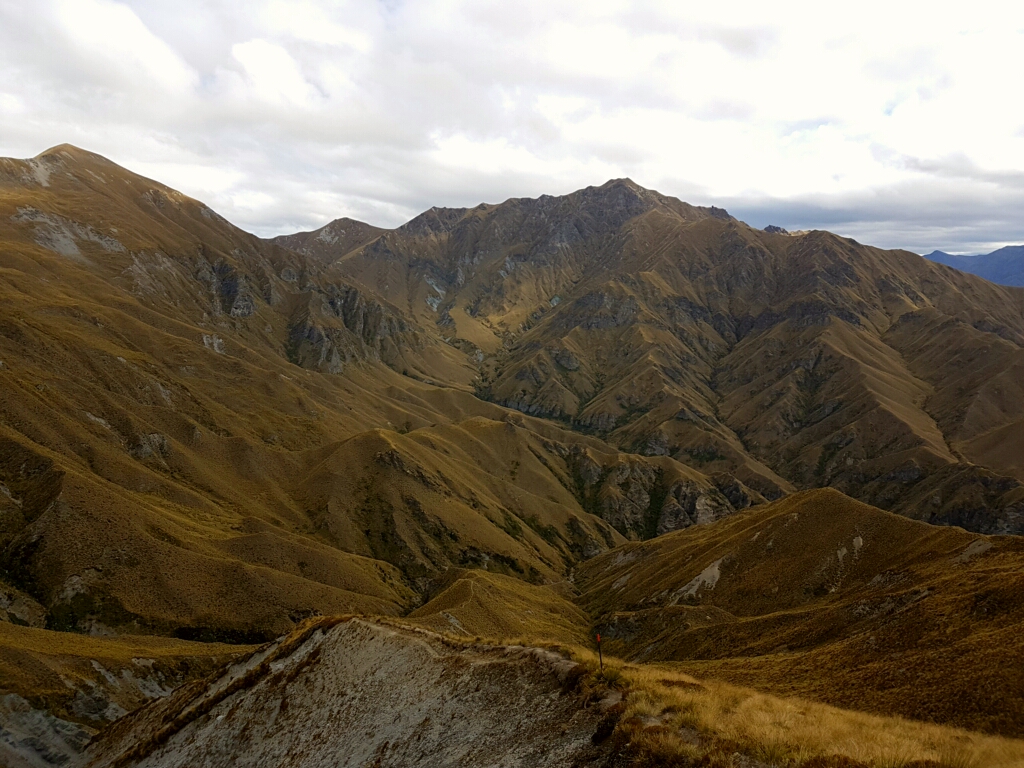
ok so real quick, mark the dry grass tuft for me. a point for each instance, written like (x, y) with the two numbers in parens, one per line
(672, 716)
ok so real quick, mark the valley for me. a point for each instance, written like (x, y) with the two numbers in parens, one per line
(767, 468)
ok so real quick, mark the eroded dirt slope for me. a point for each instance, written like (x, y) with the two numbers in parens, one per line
(60, 688)
(358, 694)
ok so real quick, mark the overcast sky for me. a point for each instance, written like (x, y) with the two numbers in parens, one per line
(895, 123)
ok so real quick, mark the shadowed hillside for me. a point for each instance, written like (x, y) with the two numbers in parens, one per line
(784, 361)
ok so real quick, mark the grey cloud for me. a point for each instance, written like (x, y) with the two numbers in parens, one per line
(750, 43)
(919, 217)
(745, 41)
(961, 167)
(367, 149)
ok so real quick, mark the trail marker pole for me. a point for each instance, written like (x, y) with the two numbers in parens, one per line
(600, 655)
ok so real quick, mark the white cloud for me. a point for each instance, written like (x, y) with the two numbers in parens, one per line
(892, 122)
(310, 22)
(202, 181)
(115, 43)
(12, 104)
(273, 74)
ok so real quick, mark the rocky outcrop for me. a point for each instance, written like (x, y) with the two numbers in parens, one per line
(19, 608)
(625, 497)
(50, 711)
(341, 324)
(356, 693)
(961, 495)
(639, 500)
(687, 503)
(33, 738)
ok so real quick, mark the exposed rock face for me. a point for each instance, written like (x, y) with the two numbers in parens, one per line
(642, 498)
(20, 608)
(625, 497)
(688, 504)
(358, 694)
(55, 696)
(346, 325)
(151, 445)
(29, 485)
(32, 738)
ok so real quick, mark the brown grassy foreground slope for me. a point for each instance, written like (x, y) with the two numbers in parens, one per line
(824, 597)
(352, 692)
(828, 610)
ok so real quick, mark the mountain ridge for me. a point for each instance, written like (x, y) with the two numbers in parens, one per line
(251, 437)
(489, 289)
(818, 595)
(763, 362)
(534, 419)
(1004, 265)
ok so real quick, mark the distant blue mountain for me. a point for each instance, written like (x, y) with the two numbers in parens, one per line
(1005, 266)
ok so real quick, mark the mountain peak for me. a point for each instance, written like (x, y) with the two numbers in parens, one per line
(627, 182)
(73, 153)
(64, 148)
(434, 219)
(1004, 266)
(69, 157)
(332, 240)
(624, 193)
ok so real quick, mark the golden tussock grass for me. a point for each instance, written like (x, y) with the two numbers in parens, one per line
(478, 603)
(670, 718)
(782, 730)
(829, 599)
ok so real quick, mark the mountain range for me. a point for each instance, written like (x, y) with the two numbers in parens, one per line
(539, 419)
(1004, 266)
